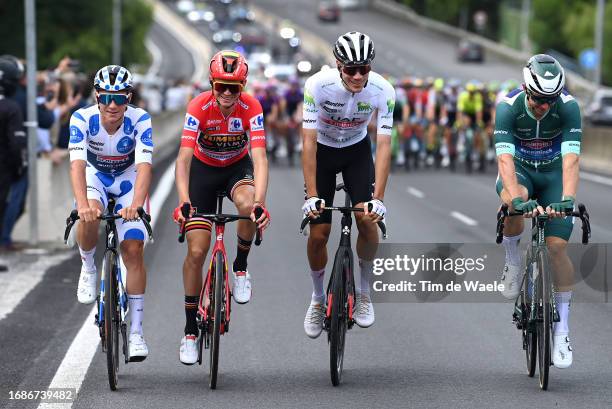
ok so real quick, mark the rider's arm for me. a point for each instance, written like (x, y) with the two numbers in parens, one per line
(310, 119)
(257, 135)
(191, 128)
(309, 160)
(260, 170)
(505, 149)
(384, 123)
(143, 158)
(570, 146)
(78, 159)
(181, 173)
(478, 107)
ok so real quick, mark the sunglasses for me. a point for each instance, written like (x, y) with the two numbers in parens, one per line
(221, 87)
(538, 100)
(120, 99)
(352, 70)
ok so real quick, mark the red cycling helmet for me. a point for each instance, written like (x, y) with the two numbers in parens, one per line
(228, 65)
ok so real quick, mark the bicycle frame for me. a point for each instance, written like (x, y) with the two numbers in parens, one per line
(206, 288)
(344, 249)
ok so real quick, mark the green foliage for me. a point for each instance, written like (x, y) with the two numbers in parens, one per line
(80, 29)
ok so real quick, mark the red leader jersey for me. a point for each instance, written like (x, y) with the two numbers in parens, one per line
(220, 141)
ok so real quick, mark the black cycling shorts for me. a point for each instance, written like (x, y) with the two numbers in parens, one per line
(357, 167)
(206, 181)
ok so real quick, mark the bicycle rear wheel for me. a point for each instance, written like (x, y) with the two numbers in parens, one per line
(545, 319)
(339, 317)
(216, 306)
(111, 317)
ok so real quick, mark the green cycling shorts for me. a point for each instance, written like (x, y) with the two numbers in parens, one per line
(545, 186)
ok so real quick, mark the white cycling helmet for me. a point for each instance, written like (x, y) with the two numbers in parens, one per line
(113, 78)
(354, 48)
(543, 75)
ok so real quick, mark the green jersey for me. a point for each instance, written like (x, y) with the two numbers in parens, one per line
(538, 144)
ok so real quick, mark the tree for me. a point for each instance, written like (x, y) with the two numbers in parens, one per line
(82, 30)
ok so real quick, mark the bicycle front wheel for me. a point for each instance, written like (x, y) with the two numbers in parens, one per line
(545, 319)
(216, 305)
(111, 317)
(339, 317)
(529, 334)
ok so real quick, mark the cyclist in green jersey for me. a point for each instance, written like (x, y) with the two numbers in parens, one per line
(537, 140)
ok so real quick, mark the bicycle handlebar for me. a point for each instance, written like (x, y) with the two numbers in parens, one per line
(582, 214)
(74, 216)
(217, 218)
(381, 225)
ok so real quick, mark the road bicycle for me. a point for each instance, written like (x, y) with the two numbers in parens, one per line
(214, 309)
(112, 303)
(535, 309)
(341, 288)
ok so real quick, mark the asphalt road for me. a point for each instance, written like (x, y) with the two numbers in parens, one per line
(401, 48)
(461, 355)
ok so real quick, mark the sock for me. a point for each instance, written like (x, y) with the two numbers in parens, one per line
(563, 300)
(317, 285)
(191, 310)
(365, 267)
(513, 254)
(244, 246)
(87, 256)
(136, 305)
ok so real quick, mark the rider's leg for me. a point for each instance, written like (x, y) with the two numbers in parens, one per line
(244, 198)
(198, 243)
(317, 256)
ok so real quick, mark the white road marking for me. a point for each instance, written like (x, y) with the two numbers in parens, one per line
(20, 280)
(415, 192)
(76, 362)
(464, 219)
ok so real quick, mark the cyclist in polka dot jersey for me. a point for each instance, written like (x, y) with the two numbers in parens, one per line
(111, 148)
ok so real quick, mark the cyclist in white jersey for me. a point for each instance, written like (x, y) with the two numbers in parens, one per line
(111, 148)
(338, 105)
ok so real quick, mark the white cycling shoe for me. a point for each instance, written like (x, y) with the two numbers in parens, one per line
(313, 322)
(364, 311)
(241, 290)
(562, 355)
(511, 279)
(86, 290)
(138, 350)
(188, 352)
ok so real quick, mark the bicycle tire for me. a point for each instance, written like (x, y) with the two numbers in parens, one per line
(339, 317)
(545, 324)
(111, 318)
(217, 316)
(530, 339)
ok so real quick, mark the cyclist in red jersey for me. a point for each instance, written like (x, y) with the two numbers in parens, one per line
(219, 126)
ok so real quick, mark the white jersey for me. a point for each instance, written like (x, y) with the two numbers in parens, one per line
(111, 154)
(340, 117)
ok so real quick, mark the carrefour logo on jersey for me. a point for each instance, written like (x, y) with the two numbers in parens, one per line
(76, 135)
(235, 125)
(257, 123)
(125, 145)
(191, 123)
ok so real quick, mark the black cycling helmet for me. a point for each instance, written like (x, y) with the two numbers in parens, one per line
(9, 76)
(354, 48)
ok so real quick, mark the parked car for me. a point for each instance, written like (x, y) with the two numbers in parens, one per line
(470, 51)
(329, 11)
(599, 111)
(351, 4)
